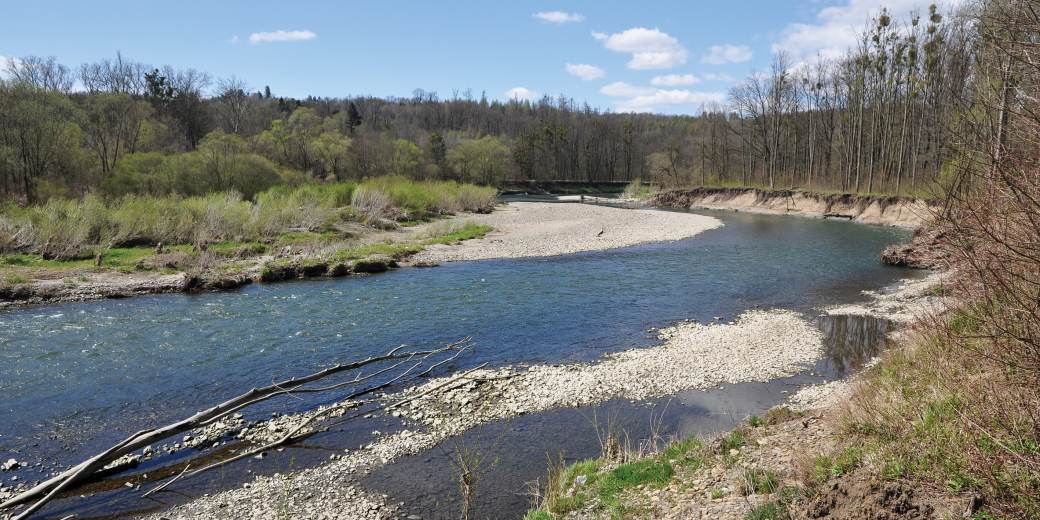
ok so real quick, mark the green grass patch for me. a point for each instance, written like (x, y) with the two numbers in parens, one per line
(115, 258)
(650, 472)
(759, 482)
(395, 251)
(15, 279)
(305, 238)
(234, 248)
(686, 452)
(468, 231)
(825, 468)
(537, 514)
(778, 509)
(768, 511)
(606, 486)
(734, 441)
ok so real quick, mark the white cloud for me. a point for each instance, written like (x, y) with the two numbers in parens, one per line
(521, 94)
(677, 98)
(281, 36)
(234, 40)
(584, 71)
(726, 53)
(837, 27)
(650, 48)
(622, 89)
(717, 77)
(675, 80)
(636, 98)
(558, 17)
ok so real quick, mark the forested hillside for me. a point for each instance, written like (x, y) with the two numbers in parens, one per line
(874, 120)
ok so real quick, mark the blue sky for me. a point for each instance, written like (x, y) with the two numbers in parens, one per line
(659, 56)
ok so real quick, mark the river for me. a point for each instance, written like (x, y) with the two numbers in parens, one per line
(76, 377)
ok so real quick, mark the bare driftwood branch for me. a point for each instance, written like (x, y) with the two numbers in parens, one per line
(293, 436)
(51, 488)
(162, 486)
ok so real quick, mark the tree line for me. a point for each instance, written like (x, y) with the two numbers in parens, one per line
(871, 121)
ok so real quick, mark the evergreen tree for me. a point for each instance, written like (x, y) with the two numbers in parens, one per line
(353, 117)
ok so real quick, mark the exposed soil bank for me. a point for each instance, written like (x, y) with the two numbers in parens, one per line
(923, 251)
(533, 229)
(866, 209)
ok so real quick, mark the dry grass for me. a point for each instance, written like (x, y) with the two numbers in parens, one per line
(69, 229)
(958, 407)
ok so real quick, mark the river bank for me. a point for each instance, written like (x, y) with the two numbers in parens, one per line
(763, 467)
(522, 230)
(695, 267)
(758, 346)
(865, 209)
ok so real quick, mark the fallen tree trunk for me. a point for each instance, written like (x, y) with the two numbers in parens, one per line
(51, 488)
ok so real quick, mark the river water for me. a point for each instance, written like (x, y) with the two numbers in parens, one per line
(76, 377)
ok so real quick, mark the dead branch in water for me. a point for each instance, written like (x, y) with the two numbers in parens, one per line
(51, 488)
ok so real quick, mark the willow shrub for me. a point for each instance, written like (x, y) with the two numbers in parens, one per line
(75, 228)
(421, 199)
(312, 206)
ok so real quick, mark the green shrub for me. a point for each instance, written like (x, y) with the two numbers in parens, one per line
(421, 198)
(636, 189)
(212, 168)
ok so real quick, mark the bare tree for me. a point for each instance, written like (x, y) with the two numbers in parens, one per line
(45, 73)
(114, 76)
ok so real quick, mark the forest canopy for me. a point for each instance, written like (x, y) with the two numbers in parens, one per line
(872, 121)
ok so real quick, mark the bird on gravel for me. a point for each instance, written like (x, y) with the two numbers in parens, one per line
(600, 233)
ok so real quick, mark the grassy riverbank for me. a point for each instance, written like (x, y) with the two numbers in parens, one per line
(126, 245)
(942, 426)
(69, 229)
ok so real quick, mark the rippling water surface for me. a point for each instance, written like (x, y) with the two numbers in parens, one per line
(75, 377)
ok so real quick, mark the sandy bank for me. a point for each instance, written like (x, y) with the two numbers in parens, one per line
(865, 209)
(531, 229)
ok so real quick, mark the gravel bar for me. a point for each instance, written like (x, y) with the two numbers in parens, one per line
(759, 346)
(533, 229)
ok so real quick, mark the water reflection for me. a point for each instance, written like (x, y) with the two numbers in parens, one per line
(521, 447)
(850, 341)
